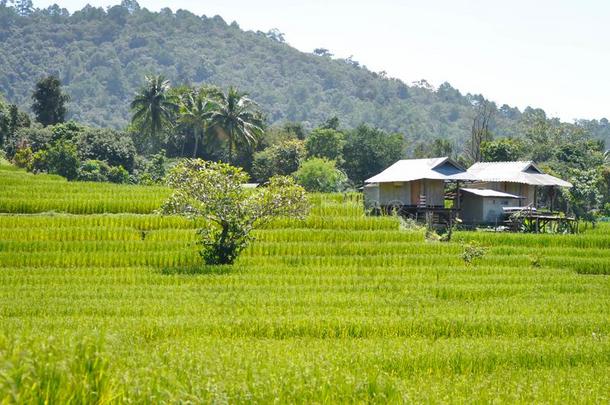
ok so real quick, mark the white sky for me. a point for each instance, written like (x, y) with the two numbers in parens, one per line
(553, 54)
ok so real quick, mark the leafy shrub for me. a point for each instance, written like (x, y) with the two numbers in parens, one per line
(23, 157)
(156, 168)
(116, 148)
(67, 131)
(325, 143)
(35, 138)
(39, 162)
(117, 174)
(472, 252)
(93, 170)
(62, 159)
(320, 175)
(282, 159)
(98, 170)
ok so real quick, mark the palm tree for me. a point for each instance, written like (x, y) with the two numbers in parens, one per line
(238, 118)
(153, 107)
(196, 111)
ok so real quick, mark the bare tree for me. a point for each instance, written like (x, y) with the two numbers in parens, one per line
(480, 130)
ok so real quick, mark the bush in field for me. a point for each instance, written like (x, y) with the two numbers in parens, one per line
(320, 175)
(39, 162)
(23, 157)
(35, 138)
(472, 252)
(98, 170)
(117, 174)
(116, 148)
(156, 168)
(61, 158)
(282, 159)
(215, 192)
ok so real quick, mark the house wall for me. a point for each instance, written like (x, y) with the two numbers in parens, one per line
(434, 190)
(492, 208)
(371, 195)
(520, 189)
(478, 210)
(471, 208)
(389, 192)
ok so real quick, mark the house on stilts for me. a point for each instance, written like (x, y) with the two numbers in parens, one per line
(415, 188)
(494, 193)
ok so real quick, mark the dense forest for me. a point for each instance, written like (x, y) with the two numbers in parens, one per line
(102, 55)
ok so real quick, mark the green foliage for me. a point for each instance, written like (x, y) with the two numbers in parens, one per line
(103, 54)
(157, 167)
(11, 119)
(68, 131)
(153, 109)
(472, 252)
(39, 162)
(320, 175)
(117, 174)
(35, 138)
(114, 147)
(49, 101)
(502, 150)
(238, 118)
(281, 159)
(368, 151)
(23, 157)
(62, 159)
(99, 170)
(325, 143)
(93, 170)
(215, 192)
(197, 107)
(585, 196)
(437, 148)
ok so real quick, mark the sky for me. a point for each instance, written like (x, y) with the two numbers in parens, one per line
(551, 54)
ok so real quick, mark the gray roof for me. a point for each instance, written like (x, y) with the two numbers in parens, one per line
(489, 193)
(442, 168)
(525, 172)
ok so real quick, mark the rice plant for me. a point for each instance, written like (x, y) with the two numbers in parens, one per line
(103, 301)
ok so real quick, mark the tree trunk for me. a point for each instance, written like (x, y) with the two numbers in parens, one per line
(196, 145)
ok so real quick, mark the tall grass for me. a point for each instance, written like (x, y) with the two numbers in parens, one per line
(104, 307)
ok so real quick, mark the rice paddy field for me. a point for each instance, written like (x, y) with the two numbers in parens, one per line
(103, 301)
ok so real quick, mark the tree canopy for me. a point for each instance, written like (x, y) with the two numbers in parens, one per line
(214, 191)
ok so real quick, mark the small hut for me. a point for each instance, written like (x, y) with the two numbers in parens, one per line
(482, 206)
(518, 178)
(414, 185)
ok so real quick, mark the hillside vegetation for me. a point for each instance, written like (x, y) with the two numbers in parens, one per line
(106, 308)
(102, 56)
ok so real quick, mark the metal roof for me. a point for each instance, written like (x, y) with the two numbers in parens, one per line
(442, 168)
(489, 193)
(525, 172)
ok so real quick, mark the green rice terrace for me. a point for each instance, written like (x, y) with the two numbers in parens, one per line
(103, 301)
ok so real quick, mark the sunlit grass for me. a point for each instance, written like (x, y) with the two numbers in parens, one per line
(341, 307)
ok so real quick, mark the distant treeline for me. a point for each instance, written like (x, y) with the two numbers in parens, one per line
(102, 55)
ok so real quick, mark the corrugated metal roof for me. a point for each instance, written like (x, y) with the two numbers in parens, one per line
(525, 172)
(489, 193)
(441, 168)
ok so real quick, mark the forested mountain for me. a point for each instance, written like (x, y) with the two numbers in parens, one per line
(102, 56)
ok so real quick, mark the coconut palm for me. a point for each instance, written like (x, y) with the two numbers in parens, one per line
(196, 111)
(153, 107)
(238, 118)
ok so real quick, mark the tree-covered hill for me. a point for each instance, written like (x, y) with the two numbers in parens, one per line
(102, 56)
